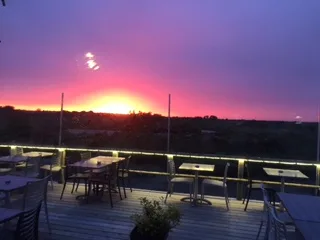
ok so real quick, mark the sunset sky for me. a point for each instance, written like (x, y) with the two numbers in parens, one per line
(233, 59)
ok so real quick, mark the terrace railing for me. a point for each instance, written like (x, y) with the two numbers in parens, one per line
(237, 160)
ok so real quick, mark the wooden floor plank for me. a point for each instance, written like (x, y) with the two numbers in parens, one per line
(75, 219)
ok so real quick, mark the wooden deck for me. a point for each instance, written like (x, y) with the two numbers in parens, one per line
(73, 219)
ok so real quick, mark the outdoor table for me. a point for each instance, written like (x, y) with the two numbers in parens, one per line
(13, 159)
(196, 168)
(37, 154)
(304, 211)
(96, 163)
(9, 183)
(284, 173)
(7, 214)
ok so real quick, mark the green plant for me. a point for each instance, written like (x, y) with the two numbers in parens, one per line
(156, 218)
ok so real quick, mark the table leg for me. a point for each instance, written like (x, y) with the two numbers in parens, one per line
(282, 184)
(195, 193)
(282, 190)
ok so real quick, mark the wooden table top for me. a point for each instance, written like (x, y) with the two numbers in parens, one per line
(197, 167)
(277, 172)
(304, 211)
(37, 154)
(15, 182)
(7, 214)
(13, 159)
(92, 163)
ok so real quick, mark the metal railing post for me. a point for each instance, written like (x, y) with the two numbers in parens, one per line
(62, 153)
(240, 183)
(317, 178)
(13, 150)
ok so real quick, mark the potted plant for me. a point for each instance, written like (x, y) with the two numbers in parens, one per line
(156, 220)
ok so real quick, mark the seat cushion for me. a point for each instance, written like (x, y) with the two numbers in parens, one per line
(182, 179)
(213, 182)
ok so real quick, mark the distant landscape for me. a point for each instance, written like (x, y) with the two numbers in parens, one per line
(147, 131)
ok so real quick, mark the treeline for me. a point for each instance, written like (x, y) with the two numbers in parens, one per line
(147, 131)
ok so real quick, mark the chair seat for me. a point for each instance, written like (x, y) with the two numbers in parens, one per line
(23, 165)
(5, 170)
(79, 175)
(182, 179)
(24, 174)
(268, 187)
(7, 234)
(125, 174)
(213, 182)
(54, 168)
(95, 171)
(294, 236)
(285, 218)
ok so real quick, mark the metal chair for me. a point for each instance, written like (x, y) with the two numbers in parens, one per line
(27, 226)
(278, 228)
(217, 183)
(172, 179)
(251, 187)
(75, 176)
(125, 174)
(30, 168)
(53, 167)
(34, 192)
(266, 217)
(109, 180)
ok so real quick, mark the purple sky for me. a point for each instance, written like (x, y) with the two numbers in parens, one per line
(233, 59)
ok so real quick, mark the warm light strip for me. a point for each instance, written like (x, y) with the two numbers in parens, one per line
(165, 154)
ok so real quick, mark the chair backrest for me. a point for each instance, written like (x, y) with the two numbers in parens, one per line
(56, 159)
(225, 174)
(35, 192)
(27, 226)
(32, 167)
(127, 163)
(248, 172)
(19, 151)
(171, 168)
(85, 155)
(278, 228)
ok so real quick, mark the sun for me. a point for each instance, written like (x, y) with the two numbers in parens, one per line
(114, 107)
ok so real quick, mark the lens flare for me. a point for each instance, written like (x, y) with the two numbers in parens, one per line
(91, 62)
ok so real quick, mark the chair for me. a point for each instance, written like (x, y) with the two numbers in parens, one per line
(85, 155)
(255, 187)
(4, 169)
(108, 180)
(266, 217)
(217, 183)
(34, 192)
(172, 179)
(30, 168)
(278, 228)
(73, 174)
(54, 166)
(27, 226)
(125, 174)
(19, 152)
